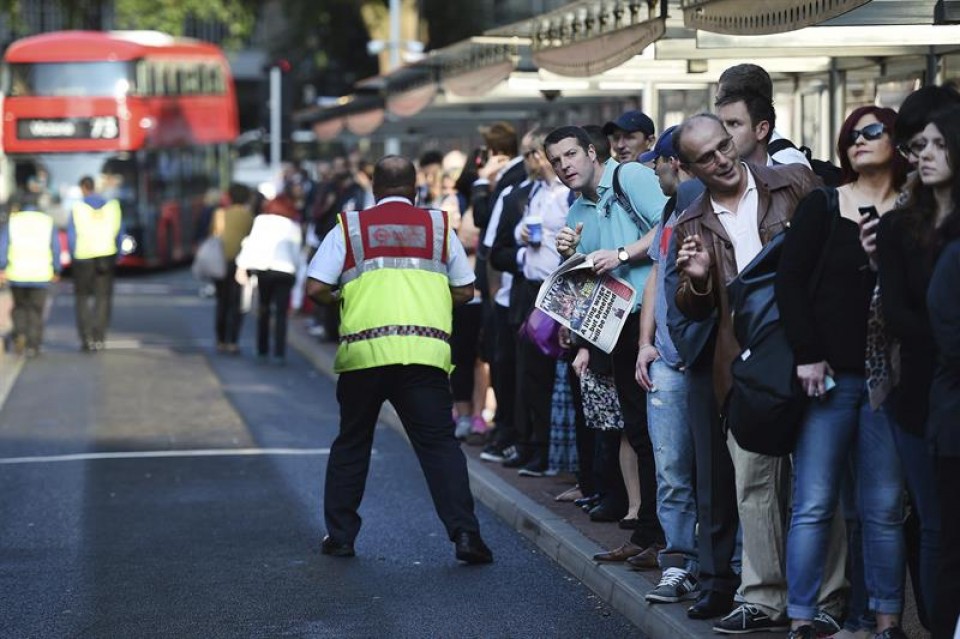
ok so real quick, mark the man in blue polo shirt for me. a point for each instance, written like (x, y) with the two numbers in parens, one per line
(617, 241)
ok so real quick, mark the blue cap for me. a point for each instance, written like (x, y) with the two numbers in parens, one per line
(662, 149)
(630, 122)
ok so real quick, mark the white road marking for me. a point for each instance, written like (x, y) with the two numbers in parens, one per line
(151, 454)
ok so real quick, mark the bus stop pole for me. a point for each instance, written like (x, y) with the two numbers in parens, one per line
(391, 145)
(275, 106)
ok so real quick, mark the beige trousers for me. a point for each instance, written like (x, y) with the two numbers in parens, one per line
(763, 489)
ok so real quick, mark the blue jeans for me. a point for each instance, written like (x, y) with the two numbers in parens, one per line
(671, 434)
(835, 429)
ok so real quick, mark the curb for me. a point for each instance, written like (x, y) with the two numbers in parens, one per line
(620, 588)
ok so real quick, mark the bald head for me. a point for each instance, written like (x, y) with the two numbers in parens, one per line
(394, 176)
(689, 132)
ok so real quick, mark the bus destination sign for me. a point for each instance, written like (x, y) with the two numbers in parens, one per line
(96, 128)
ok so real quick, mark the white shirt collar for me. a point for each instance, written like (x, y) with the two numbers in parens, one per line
(751, 186)
(394, 198)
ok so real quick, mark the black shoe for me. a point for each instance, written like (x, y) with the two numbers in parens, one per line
(335, 549)
(711, 604)
(471, 549)
(587, 503)
(606, 512)
(517, 460)
(749, 618)
(495, 452)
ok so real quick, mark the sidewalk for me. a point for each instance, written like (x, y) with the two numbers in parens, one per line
(560, 530)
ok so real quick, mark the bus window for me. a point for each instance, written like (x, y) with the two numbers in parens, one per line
(171, 85)
(191, 79)
(144, 78)
(71, 79)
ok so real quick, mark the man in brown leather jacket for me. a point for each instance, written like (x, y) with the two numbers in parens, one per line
(744, 206)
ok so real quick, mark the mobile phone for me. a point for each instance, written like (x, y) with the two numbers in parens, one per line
(870, 211)
(828, 384)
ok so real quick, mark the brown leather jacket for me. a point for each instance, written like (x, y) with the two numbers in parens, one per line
(779, 189)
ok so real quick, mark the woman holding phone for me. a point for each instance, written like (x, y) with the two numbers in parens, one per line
(824, 313)
(909, 242)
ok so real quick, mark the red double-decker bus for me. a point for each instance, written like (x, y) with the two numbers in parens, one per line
(150, 117)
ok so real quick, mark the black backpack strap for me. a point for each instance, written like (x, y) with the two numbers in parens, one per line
(778, 145)
(625, 202)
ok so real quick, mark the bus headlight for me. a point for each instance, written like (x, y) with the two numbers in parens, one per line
(127, 245)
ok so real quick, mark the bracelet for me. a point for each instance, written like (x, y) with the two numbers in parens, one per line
(642, 346)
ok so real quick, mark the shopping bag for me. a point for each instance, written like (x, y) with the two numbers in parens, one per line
(210, 263)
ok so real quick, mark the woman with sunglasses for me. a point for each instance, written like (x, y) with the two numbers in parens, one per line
(904, 240)
(824, 286)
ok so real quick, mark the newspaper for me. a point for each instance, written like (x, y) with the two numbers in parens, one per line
(595, 307)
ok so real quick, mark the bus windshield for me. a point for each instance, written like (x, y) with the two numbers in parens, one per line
(71, 79)
(56, 177)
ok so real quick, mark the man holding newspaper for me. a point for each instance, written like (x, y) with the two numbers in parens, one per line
(612, 223)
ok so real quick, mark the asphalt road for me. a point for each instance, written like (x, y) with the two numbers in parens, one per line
(159, 489)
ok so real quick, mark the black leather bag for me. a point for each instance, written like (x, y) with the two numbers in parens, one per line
(766, 404)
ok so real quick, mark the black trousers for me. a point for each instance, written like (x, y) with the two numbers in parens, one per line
(586, 439)
(93, 291)
(504, 377)
(947, 605)
(536, 374)
(273, 303)
(464, 349)
(717, 515)
(27, 314)
(633, 404)
(229, 319)
(421, 397)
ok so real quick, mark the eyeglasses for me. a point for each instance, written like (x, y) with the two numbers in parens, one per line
(912, 149)
(709, 159)
(870, 132)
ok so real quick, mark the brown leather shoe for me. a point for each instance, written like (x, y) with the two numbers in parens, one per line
(646, 560)
(623, 553)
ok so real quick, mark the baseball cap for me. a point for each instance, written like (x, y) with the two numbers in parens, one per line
(662, 149)
(630, 122)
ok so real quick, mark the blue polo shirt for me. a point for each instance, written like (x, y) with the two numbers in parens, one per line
(607, 226)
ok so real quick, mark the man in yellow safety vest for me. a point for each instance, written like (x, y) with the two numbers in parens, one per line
(398, 270)
(29, 262)
(94, 233)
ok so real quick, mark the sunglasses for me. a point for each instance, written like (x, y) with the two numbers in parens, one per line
(870, 132)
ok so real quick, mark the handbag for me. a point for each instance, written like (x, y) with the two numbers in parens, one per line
(601, 406)
(210, 262)
(765, 406)
(542, 331)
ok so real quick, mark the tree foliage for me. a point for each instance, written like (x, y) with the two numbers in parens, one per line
(171, 16)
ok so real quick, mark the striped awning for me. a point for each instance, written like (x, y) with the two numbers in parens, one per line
(759, 17)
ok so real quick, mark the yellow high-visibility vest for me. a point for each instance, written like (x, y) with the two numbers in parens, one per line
(29, 256)
(96, 230)
(396, 301)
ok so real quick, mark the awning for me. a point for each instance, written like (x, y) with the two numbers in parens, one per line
(365, 122)
(328, 129)
(410, 102)
(588, 37)
(758, 17)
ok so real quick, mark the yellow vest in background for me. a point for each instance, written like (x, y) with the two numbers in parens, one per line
(96, 230)
(29, 256)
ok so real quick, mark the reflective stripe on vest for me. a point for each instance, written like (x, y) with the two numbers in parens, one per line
(29, 256)
(96, 230)
(397, 307)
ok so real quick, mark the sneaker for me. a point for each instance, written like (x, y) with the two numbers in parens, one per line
(675, 585)
(893, 632)
(803, 632)
(533, 469)
(479, 426)
(749, 618)
(495, 452)
(826, 624)
(464, 425)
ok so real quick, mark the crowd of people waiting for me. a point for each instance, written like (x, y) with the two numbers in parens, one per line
(815, 543)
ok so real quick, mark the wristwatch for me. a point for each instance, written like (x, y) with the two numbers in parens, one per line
(622, 255)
